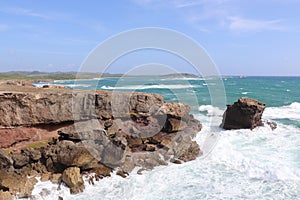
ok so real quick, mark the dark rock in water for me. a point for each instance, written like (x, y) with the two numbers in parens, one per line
(246, 113)
(73, 179)
(273, 125)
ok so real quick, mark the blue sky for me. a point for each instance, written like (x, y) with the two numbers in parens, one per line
(242, 37)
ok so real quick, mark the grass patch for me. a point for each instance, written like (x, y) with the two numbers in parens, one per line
(38, 144)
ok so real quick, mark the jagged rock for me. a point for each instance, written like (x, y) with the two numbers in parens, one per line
(273, 125)
(20, 159)
(5, 160)
(246, 113)
(174, 124)
(73, 179)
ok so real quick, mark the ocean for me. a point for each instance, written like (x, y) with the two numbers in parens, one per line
(243, 164)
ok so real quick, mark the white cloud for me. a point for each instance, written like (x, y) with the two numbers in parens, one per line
(25, 12)
(250, 25)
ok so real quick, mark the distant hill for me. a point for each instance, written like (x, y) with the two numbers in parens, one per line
(37, 75)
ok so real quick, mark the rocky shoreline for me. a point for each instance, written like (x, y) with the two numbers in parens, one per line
(59, 134)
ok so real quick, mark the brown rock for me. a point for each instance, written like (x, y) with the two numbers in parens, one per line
(55, 178)
(246, 113)
(73, 179)
(175, 109)
(134, 142)
(174, 125)
(20, 159)
(192, 152)
(67, 153)
(102, 170)
(45, 177)
(5, 195)
(16, 183)
(122, 173)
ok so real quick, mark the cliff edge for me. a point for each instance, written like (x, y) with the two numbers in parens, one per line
(59, 134)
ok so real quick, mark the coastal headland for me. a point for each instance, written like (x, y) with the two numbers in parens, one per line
(59, 134)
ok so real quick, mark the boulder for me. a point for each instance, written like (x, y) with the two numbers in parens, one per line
(73, 179)
(246, 113)
(67, 153)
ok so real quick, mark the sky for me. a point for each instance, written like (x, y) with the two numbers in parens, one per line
(242, 37)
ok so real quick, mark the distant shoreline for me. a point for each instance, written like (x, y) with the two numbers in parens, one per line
(36, 75)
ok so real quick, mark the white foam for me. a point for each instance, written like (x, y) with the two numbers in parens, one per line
(243, 164)
(141, 87)
(77, 85)
(291, 112)
(246, 92)
(211, 111)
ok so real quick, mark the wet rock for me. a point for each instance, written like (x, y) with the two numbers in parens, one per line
(273, 125)
(73, 179)
(122, 173)
(246, 113)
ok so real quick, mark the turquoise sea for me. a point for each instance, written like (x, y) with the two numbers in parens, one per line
(244, 164)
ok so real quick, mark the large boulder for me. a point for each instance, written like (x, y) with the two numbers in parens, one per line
(73, 179)
(246, 113)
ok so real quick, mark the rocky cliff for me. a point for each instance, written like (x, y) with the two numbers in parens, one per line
(88, 131)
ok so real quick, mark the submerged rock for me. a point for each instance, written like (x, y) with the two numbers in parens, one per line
(246, 113)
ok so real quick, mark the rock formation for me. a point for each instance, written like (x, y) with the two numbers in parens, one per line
(246, 113)
(88, 132)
